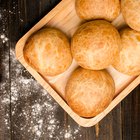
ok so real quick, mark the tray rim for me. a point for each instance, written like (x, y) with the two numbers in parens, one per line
(85, 122)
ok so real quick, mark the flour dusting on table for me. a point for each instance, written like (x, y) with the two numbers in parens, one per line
(33, 112)
(38, 114)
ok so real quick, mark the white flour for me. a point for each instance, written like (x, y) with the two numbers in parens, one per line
(33, 111)
(38, 110)
(3, 38)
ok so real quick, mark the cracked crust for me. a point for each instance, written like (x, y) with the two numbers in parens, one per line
(95, 44)
(89, 92)
(48, 52)
(98, 9)
(131, 13)
(128, 61)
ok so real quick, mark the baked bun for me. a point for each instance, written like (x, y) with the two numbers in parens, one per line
(131, 13)
(95, 44)
(128, 61)
(89, 92)
(98, 9)
(48, 52)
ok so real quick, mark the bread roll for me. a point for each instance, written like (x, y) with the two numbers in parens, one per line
(48, 52)
(128, 61)
(98, 9)
(131, 13)
(89, 92)
(95, 44)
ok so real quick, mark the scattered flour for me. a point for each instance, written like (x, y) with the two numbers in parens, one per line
(33, 111)
(67, 135)
(38, 109)
(3, 38)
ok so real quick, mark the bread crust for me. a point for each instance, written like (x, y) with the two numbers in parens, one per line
(131, 13)
(95, 44)
(98, 9)
(89, 92)
(48, 52)
(128, 61)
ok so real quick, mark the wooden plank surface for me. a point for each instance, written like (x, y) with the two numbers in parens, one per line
(32, 112)
(131, 116)
(5, 113)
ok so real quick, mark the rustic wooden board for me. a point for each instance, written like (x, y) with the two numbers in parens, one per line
(131, 116)
(5, 113)
(117, 125)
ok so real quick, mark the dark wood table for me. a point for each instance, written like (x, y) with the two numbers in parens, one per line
(27, 112)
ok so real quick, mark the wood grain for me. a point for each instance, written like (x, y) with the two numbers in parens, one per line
(131, 116)
(5, 113)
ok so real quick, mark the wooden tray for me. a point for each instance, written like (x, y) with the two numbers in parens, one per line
(64, 17)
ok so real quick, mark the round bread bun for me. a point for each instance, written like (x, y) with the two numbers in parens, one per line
(131, 13)
(89, 92)
(98, 9)
(48, 52)
(95, 44)
(128, 61)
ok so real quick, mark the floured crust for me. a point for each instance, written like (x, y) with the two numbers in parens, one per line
(48, 52)
(131, 13)
(128, 61)
(95, 44)
(98, 9)
(89, 92)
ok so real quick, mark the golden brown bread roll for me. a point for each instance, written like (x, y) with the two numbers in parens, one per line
(131, 13)
(95, 44)
(89, 92)
(48, 52)
(98, 9)
(128, 61)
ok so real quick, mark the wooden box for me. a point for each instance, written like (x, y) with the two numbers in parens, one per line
(64, 17)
